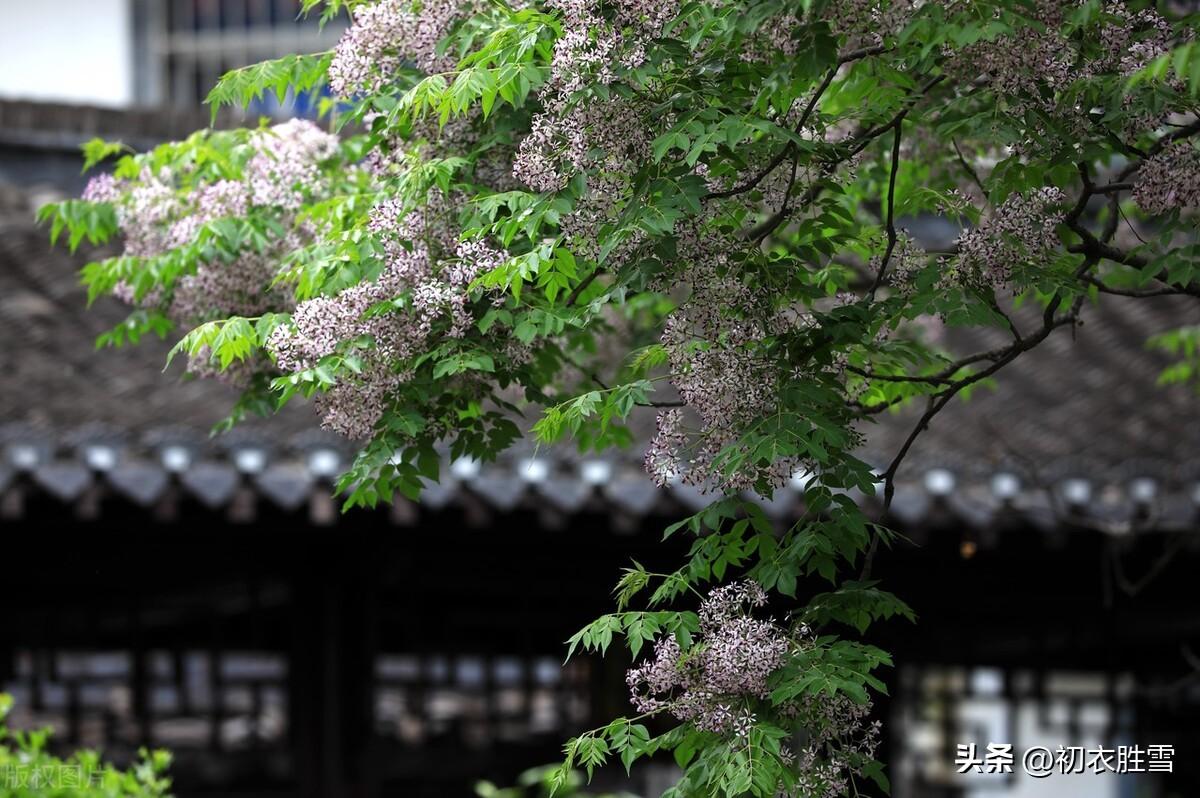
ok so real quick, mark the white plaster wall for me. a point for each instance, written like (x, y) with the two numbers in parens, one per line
(74, 51)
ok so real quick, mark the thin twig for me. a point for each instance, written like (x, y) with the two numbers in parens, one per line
(583, 284)
(891, 206)
(1104, 288)
(1175, 135)
(938, 401)
(782, 155)
(970, 170)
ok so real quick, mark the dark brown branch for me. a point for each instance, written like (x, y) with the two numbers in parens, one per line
(860, 143)
(928, 380)
(1114, 217)
(939, 400)
(1095, 248)
(579, 289)
(783, 154)
(874, 410)
(1111, 229)
(943, 377)
(1104, 288)
(1099, 248)
(761, 231)
(1131, 587)
(788, 149)
(1012, 327)
(768, 225)
(970, 170)
(1090, 190)
(1085, 195)
(891, 205)
(1175, 135)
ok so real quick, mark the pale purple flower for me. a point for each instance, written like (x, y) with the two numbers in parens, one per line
(386, 35)
(1021, 230)
(103, 188)
(1169, 180)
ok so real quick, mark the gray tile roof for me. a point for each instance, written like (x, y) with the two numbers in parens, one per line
(1078, 422)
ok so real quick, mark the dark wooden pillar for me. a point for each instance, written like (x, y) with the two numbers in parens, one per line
(216, 684)
(331, 674)
(141, 677)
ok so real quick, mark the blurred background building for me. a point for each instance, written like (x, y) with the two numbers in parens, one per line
(206, 595)
(159, 53)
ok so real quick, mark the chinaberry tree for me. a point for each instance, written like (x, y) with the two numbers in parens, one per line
(537, 218)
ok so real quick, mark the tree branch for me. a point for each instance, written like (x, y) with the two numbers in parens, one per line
(782, 155)
(1160, 145)
(581, 287)
(1104, 288)
(970, 170)
(1010, 353)
(1095, 248)
(871, 375)
(860, 143)
(891, 205)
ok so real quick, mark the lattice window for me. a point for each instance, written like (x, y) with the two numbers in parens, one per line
(237, 701)
(478, 700)
(939, 708)
(184, 46)
(226, 701)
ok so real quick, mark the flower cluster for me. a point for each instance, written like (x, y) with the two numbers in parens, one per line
(662, 459)
(1169, 180)
(721, 685)
(715, 348)
(565, 135)
(1028, 69)
(319, 326)
(1020, 230)
(391, 34)
(1132, 39)
(907, 262)
(242, 288)
(840, 738)
(1045, 57)
(145, 209)
(285, 167)
(160, 211)
(157, 213)
(1032, 67)
(866, 22)
(421, 290)
(713, 685)
(716, 337)
(102, 188)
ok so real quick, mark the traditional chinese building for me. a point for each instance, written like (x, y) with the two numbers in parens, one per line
(205, 594)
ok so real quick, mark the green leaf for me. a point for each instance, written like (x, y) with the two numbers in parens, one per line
(96, 150)
(297, 73)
